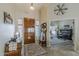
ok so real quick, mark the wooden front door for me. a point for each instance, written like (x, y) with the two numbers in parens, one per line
(29, 31)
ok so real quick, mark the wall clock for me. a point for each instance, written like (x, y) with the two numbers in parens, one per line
(60, 9)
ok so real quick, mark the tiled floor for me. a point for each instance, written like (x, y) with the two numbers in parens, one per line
(62, 49)
(33, 50)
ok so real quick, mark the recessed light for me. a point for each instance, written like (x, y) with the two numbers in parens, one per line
(32, 7)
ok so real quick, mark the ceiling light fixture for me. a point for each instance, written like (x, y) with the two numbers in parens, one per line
(32, 7)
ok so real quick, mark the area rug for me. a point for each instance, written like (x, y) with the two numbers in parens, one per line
(33, 50)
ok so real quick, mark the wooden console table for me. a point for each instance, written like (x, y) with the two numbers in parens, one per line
(16, 52)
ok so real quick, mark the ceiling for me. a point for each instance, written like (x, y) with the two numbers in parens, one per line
(26, 6)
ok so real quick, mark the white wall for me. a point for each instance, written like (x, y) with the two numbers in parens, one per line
(43, 14)
(7, 8)
(6, 30)
(6, 33)
(72, 11)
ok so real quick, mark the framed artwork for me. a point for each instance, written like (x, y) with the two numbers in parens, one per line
(7, 18)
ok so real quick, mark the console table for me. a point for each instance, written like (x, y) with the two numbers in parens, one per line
(16, 52)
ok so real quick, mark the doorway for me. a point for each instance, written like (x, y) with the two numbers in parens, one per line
(29, 30)
(62, 34)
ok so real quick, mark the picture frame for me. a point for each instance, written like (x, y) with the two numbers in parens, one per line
(7, 18)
